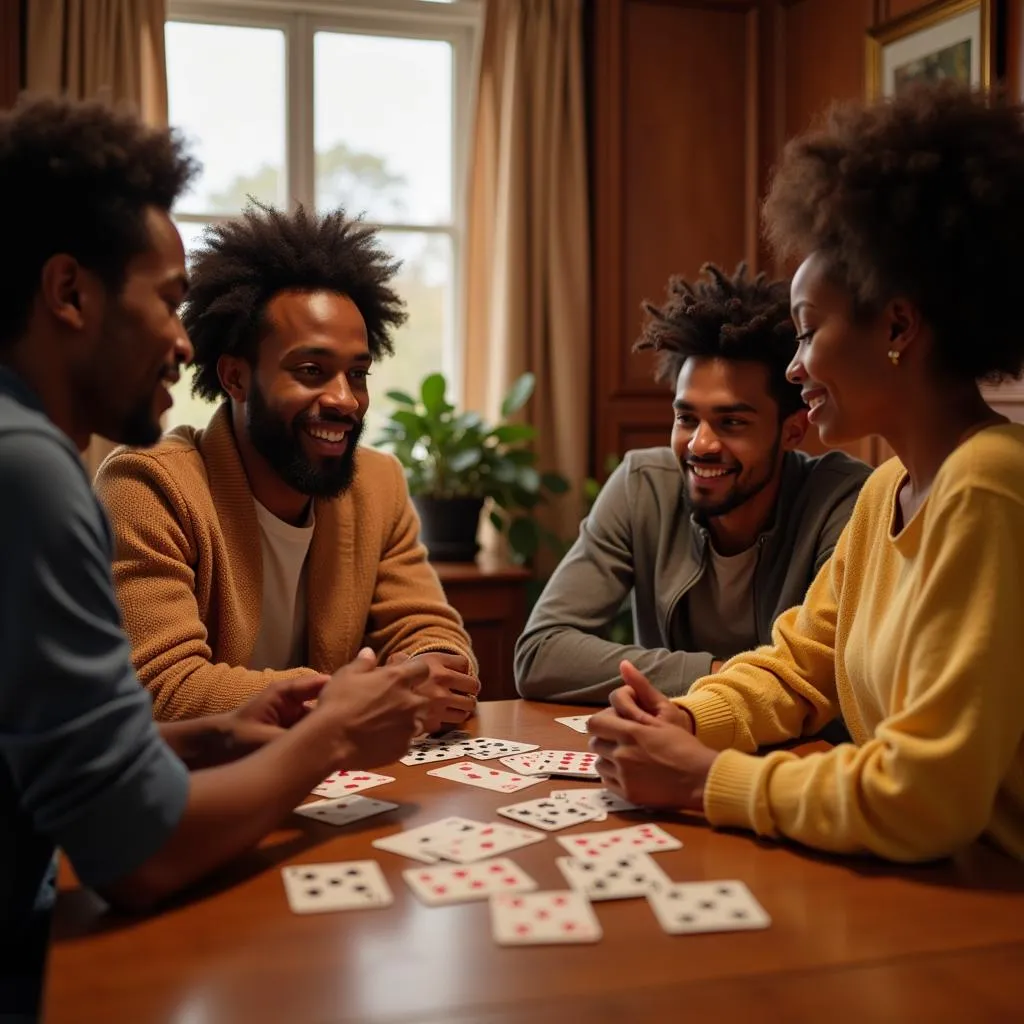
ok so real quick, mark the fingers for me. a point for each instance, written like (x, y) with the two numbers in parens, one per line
(412, 671)
(623, 701)
(459, 707)
(398, 658)
(606, 725)
(648, 696)
(302, 690)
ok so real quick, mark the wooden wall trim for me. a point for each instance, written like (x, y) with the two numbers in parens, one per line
(10, 51)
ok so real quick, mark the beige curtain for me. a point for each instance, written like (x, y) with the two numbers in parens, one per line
(111, 50)
(527, 280)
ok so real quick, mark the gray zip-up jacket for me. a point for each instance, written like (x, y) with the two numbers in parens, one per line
(640, 537)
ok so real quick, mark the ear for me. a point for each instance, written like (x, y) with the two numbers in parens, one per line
(905, 324)
(68, 292)
(234, 374)
(794, 429)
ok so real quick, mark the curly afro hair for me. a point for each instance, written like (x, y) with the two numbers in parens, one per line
(77, 178)
(921, 196)
(736, 318)
(243, 263)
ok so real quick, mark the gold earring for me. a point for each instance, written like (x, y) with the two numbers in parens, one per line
(894, 356)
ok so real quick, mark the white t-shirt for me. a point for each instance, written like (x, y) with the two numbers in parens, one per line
(721, 604)
(281, 642)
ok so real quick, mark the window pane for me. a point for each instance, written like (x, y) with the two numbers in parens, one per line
(226, 92)
(383, 127)
(424, 344)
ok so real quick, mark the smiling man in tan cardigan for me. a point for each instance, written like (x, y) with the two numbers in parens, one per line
(269, 546)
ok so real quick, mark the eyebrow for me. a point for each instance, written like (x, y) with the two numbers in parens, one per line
(681, 406)
(323, 352)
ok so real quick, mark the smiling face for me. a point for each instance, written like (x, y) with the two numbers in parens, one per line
(727, 434)
(139, 343)
(305, 399)
(841, 362)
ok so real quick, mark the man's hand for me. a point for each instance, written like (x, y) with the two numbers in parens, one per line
(452, 691)
(269, 713)
(640, 701)
(378, 710)
(653, 764)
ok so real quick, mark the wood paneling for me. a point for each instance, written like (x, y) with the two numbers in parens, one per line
(10, 51)
(692, 101)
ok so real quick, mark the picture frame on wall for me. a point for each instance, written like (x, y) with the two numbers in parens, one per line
(946, 39)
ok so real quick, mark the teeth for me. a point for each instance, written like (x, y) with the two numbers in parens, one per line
(816, 401)
(326, 435)
(707, 474)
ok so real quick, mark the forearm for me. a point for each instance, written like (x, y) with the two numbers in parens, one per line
(200, 742)
(231, 807)
(566, 664)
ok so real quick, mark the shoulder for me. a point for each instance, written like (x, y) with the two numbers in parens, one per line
(175, 457)
(832, 471)
(992, 460)
(379, 482)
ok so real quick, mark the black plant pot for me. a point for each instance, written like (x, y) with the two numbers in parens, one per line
(449, 527)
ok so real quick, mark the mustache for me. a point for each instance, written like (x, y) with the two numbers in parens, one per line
(306, 420)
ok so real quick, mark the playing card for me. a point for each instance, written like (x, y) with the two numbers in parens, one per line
(433, 751)
(568, 763)
(483, 748)
(614, 877)
(315, 888)
(484, 841)
(421, 843)
(344, 810)
(686, 908)
(541, 918)
(348, 782)
(636, 839)
(600, 799)
(486, 778)
(549, 815)
(578, 723)
(458, 883)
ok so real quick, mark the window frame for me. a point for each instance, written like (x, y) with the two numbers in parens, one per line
(458, 23)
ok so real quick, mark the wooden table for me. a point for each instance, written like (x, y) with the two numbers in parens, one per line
(851, 940)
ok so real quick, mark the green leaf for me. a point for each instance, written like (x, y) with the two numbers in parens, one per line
(528, 478)
(554, 482)
(523, 537)
(468, 421)
(518, 395)
(432, 392)
(401, 398)
(413, 424)
(461, 461)
(512, 433)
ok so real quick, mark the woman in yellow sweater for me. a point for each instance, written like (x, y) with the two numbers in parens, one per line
(909, 216)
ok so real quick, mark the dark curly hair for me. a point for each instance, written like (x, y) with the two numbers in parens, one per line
(920, 196)
(243, 263)
(719, 317)
(76, 178)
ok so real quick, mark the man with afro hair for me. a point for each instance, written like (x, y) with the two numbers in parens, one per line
(715, 535)
(269, 545)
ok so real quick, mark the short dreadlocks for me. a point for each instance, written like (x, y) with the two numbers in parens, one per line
(243, 263)
(736, 318)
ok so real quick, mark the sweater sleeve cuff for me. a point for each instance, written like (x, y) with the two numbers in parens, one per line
(713, 718)
(731, 793)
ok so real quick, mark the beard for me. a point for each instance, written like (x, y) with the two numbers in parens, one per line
(739, 494)
(280, 444)
(139, 429)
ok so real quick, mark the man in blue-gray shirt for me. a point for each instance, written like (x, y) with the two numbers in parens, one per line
(94, 272)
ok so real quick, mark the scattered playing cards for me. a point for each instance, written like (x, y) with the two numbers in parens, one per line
(686, 908)
(316, 888)
(483, 748)
(550, 815)
(421, 843)
(615, 877)
(457, 883)
(636, 839)
(542, 918)
(578, 723)
(484, 841)
(486, 778)
(344, 810)
(568, 763)
(600, 799)
(346, 783)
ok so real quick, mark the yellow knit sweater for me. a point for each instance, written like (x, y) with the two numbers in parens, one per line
(916, 639)
(188, 571)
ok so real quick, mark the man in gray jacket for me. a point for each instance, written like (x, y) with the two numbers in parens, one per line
(714, 536)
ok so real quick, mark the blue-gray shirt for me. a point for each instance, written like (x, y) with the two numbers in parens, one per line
(82, 765)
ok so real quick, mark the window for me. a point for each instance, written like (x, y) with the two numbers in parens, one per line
(363, 105)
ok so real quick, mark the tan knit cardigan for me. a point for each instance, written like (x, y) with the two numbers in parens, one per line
(189, 576)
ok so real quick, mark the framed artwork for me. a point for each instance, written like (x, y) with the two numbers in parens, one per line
(947, 39)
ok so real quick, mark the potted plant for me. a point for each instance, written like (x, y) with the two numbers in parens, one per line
(455, 463)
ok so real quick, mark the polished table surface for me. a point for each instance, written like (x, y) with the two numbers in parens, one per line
(851, 939)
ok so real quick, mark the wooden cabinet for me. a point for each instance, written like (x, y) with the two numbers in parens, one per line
(491, 597)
